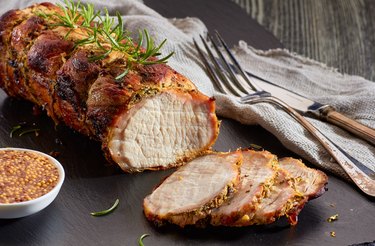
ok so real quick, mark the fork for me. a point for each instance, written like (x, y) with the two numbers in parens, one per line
(230, 79)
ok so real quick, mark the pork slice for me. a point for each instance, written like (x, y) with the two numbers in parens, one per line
(282, 200)
(188, 195)
(294, 186)
(309, 182)
(163, 131)
(257, 173)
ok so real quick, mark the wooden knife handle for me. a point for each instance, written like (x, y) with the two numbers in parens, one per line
(352, 126)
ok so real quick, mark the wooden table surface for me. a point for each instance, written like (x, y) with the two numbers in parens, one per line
(91, 184)
(340, 33)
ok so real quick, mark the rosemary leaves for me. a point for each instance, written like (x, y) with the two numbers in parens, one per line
(23, 129)
(106, 33)
(140, 241)
(107, 211)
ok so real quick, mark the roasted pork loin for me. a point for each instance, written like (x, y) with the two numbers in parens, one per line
(309, 182)
(282, 200)
(188, 196)
(257, 175)
(267, 191)
(152, 118)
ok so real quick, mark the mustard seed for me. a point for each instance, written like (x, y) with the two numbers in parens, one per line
(25, 176)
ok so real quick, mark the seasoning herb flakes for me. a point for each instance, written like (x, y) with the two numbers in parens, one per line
(333, 218)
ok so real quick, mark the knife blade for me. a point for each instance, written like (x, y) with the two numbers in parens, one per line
(322, 111)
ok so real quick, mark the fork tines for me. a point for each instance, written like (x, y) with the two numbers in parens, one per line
(228, 78)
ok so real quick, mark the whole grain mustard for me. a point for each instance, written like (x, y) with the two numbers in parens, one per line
(25, 176)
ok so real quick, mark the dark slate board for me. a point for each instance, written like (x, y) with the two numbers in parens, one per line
(91, 184)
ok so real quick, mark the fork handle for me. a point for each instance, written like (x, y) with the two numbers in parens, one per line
(361, 179)
(334, 117)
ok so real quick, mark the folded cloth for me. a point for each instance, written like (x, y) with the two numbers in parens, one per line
(351, 95)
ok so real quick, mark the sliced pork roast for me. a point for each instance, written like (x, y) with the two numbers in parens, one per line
(266, 191)
(285, 195)
(258, 172)
(296, 184)
(188, 195)
(308, 181)
(151, 118)
(282, 200)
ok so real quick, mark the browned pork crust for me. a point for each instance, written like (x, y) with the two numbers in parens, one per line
(41, 63)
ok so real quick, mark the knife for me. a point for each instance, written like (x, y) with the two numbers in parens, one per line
(322, 111)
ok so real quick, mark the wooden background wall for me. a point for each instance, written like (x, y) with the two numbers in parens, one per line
(340, 33)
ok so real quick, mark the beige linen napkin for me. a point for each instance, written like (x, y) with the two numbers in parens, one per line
(351, 95)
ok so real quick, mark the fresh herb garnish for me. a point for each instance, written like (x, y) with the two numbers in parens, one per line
(140, 241)
(101, 31)
(107, 211)
(21, 131)
(35, 130)
(14, 129)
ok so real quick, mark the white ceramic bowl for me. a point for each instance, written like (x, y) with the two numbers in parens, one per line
(21, 209)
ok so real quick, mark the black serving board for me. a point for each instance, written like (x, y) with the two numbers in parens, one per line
(92, 184)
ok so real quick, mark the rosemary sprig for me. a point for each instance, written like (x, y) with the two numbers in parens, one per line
(100, 57)
(140, 241)
(107, 211)
(71, 13)
(89, 14)
(14, 129)
(35, 130)
(104, 29)
(123, 74)
(20, 132)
